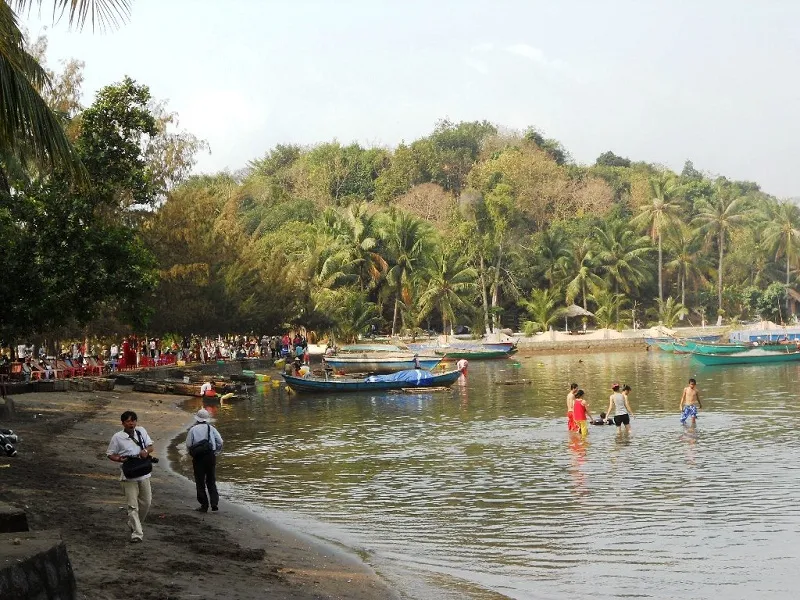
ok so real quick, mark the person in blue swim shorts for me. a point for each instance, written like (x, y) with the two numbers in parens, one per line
(690, 402)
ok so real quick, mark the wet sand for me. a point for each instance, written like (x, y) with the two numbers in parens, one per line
(63, 479)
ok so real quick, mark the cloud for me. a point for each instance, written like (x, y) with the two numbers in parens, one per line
(535, 55)
(484, 47)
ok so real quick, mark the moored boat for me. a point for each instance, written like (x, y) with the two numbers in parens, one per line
(413, 378)
(735, 348)
(473, 353)
(379, 363)
(750, 357)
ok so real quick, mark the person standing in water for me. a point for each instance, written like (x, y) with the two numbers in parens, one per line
(622, 409)
(690, 402)
(580, 411)
(571, 425)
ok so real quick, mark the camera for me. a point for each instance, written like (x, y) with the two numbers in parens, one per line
(153, 459)
(7, 440)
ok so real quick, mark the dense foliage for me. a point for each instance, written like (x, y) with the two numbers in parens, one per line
(470, 225)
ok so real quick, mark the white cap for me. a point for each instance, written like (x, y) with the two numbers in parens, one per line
(202, 415)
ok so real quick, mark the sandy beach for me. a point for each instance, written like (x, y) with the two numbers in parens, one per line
(63, 479)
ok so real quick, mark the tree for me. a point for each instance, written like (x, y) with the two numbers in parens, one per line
(621, 254)
(451, 282)
(688, 262)
(670, 312)
(542, 308)
(408, 241)
(661, 213)
(609, 159)
(717, 217)
(29, 129)
(609, 305)
(579, 271)
(782, 234)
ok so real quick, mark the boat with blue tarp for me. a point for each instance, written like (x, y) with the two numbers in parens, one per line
(412, 378)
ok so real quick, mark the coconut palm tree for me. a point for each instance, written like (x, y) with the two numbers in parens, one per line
(660, 214)
(782, 233)
(551, 252)
(621, 254)
(542, 307)
(608, 308)
(717, 217)
(29, 130)
(670, 311)
(688, 262)
(579, 271)
(451, 281)
(408, 240)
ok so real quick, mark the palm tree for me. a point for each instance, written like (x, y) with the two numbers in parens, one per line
(717, 217)
(782, 234)
(450, 282)
(687, 262)
(670, 311)
(621, 254)
(407, 239)
(661, 213)
(608, 308)
(29, 130)
(579, 271)
(551, 251)
(542, 307)
(356, 251)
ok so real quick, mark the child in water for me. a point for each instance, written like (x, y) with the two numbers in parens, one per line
(602, 420)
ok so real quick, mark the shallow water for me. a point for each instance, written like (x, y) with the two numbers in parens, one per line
(480, 492)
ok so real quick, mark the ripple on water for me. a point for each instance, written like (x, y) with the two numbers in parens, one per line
(484, 485)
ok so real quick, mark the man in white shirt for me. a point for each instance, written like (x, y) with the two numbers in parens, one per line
(133, 442)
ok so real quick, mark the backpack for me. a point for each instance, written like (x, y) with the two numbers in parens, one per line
(202, 447)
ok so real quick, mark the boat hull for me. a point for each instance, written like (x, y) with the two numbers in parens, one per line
(356, 364)
(320, 386)
(456, 354)
(751, 357)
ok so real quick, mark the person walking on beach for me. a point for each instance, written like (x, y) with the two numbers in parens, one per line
(622, 409)
(204, 443)
(133, 442)
(571, 425)
(690, 402)
(580, 410)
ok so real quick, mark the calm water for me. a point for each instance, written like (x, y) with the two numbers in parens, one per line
(480, 492)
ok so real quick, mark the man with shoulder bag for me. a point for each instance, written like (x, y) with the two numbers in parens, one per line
(133, 448)
(204, 443)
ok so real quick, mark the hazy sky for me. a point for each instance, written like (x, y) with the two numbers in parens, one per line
(714, 81)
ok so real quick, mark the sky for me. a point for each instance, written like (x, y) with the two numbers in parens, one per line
(712, 81)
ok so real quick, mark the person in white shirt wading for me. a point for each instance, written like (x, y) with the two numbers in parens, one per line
(204, 443)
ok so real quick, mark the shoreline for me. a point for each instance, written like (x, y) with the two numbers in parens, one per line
(64, 481)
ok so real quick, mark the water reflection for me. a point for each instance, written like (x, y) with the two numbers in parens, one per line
(483, 484)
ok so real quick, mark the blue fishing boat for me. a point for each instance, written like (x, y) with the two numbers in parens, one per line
(414, 378)
(379, 363)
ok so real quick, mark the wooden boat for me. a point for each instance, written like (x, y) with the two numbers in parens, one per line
(473, 354)
(735, 348)
(413, 378)
(385, 362)
(751, 357)
(350, 348)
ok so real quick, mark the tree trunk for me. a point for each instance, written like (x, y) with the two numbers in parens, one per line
(660, 268)
(484, 297)
(719, 275)
(496, 285)
(394, 317)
